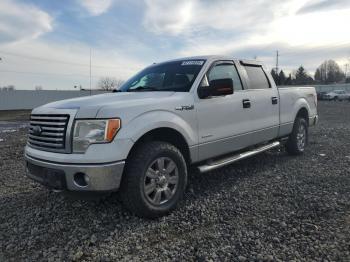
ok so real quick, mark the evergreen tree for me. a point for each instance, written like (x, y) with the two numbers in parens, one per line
(289, 80)
(282, 78)
(302, 77)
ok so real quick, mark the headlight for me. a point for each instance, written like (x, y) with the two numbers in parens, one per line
(87, 132)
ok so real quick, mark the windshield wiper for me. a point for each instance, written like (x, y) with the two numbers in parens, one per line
(143, 88)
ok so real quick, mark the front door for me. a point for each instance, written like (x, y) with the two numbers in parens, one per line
(223, 123)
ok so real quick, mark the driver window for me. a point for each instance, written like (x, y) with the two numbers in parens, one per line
(222, 71)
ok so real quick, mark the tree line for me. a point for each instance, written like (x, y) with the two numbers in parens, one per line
(329, 72)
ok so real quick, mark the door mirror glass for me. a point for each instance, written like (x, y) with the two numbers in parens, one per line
(218, 87)
(221, 87)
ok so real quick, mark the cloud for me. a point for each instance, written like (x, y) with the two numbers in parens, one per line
(255, 28)
(193, 16)
(305, 32)
(324, 5)
(164, 17)
(96, 7)
(20, 21)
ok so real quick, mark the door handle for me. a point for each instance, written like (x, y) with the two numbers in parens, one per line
(274, 100)
(246, 103)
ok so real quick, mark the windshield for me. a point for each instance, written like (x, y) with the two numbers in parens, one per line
(172, 76)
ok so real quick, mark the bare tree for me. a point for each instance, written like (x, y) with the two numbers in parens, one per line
(109, 83)
(8, 88)
(329, 72)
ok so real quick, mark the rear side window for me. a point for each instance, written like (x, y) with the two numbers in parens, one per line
(257, 77)
(226, 70)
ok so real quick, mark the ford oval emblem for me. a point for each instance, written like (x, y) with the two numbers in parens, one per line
(37, 130)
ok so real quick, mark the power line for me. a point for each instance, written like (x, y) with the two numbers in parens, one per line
(45, 73)
(61, 61)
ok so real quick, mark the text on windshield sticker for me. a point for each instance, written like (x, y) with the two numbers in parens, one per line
(195, 62)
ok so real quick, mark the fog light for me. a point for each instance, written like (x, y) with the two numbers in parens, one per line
(81, 179)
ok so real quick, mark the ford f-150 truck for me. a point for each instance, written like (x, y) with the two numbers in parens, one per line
(205, 112)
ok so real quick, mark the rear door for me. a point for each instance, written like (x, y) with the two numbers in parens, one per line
(263, 99)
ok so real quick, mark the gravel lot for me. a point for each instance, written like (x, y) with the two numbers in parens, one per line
(272, 207)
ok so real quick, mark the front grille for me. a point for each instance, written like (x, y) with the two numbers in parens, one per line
(48, 132)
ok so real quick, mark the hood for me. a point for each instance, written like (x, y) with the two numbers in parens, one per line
(89, 106)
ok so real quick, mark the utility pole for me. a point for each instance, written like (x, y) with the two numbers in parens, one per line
(90, 71)
(0, 61)
(277, 55)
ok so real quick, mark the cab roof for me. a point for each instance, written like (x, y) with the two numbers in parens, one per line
(212, 58)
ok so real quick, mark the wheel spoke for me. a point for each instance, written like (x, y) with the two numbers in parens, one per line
(151, 173)
(150, 188)
(157, 197)
(160, 163)
(167, 193)
(171, 166)
(173, 180)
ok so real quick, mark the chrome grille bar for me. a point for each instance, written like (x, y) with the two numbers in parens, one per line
(44, 138)
(47, 123)
(50, 128)
(48, 132)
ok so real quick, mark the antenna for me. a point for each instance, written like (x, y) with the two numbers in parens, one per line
(277, 55)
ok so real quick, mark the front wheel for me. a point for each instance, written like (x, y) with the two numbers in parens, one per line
(298, 138)
(154, 180)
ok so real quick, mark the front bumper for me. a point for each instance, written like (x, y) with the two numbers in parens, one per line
(75, 177)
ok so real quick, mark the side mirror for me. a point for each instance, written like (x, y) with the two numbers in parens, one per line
(219, 87)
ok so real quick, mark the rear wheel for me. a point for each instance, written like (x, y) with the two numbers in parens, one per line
(155, 180)
(299, 137)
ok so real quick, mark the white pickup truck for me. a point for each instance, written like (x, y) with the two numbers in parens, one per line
(205, 111)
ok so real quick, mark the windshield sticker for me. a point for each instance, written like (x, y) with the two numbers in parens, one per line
(196, 62)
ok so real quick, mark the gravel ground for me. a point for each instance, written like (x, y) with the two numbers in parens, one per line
(272, 207)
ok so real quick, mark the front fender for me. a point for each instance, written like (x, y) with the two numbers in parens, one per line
(151, 120)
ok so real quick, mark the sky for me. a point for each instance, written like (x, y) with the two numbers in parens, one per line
(47, 43)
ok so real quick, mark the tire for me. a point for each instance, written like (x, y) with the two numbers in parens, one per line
(298, 139)
(143, 180)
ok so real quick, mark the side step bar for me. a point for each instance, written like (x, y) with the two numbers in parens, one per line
(231, 159)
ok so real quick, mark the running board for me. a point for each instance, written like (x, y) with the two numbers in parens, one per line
(229, 160)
